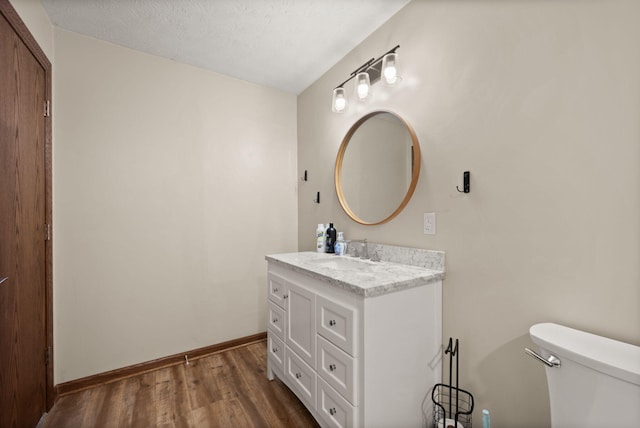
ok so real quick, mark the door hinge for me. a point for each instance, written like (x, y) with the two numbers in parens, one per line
(47, 355)
(47, 232)
(47, 108)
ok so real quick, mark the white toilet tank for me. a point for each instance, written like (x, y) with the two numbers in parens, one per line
(598, 381)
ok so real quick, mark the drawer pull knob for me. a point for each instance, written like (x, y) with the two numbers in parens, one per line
(298, 375)
(332, 411)
(332, 367)
(332, 322)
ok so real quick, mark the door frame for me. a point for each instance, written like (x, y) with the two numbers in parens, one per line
(18, 25)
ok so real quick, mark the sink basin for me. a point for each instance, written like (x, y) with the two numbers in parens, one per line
(343, 263)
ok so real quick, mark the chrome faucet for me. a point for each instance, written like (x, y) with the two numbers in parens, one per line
(364, 252)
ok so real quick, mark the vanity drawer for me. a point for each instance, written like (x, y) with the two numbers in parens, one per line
(301, 377)
(337, 368)
(277, 320)
(336, 324)
(276, 289)
(275, 348)
(334, 410)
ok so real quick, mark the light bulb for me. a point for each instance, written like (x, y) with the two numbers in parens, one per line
(339, 101)
(389, 68)
(390, 75)
(362, 85)
(363, 90)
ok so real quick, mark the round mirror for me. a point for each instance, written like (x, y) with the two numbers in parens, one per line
(377, 168)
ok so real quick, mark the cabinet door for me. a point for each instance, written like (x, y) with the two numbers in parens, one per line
(275, 351)
(337, 324)
(338, 369)
(301, 377)
(276, 289)
(333, 408)
(301, 323)
(277, 320)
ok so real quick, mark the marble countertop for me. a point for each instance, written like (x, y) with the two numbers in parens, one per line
(362, 277)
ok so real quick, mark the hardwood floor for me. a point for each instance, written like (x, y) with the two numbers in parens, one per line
(227, 389)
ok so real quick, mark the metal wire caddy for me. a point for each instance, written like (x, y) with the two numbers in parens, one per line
(452, 405)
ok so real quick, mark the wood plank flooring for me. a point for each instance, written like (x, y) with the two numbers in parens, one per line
(227, 389)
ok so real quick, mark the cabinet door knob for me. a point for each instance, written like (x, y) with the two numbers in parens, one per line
(275, 320)
(332, 322)
(286, 296)
(275, 350)
(298, 375)
(332, 411)
(332, 367)
(275, 290)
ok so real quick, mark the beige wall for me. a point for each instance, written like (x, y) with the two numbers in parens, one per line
(171, 184)
(541, 102)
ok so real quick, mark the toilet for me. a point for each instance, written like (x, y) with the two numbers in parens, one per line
(594, 381)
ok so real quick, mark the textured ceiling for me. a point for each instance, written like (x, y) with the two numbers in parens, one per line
(285, 44)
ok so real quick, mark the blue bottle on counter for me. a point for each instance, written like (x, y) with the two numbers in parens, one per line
(340, 247)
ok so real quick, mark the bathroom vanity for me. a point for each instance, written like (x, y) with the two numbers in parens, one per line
(358, 341)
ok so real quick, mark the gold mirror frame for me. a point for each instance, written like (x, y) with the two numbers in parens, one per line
(340, 157)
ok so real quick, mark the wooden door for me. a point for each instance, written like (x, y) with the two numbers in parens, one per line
(23, 247)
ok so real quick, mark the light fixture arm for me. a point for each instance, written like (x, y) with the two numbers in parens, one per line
(353, 74)
(367, 65)
(387, 53)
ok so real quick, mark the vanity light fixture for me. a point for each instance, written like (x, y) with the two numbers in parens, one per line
(383, 67)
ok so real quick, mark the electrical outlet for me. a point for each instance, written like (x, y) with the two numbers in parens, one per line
(429, 223)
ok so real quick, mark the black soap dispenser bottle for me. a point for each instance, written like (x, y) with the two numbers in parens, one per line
(331, 239)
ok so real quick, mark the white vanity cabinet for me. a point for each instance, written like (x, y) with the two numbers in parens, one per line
(354, 360)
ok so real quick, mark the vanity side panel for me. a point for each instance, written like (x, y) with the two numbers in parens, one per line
(401, 358)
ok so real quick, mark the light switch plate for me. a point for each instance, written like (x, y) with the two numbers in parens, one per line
(429, 223)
